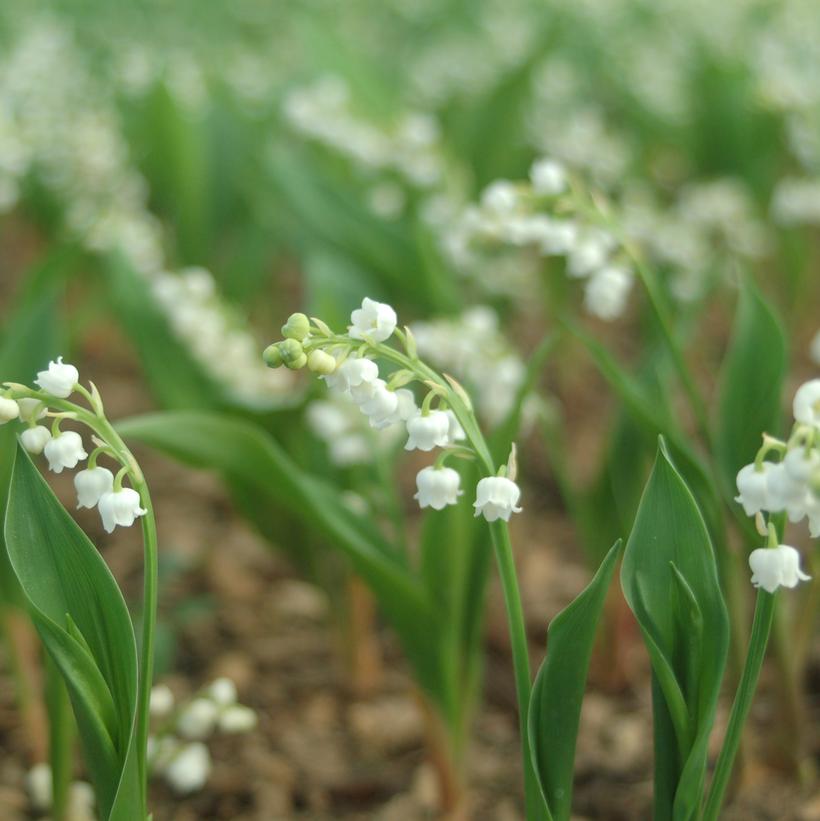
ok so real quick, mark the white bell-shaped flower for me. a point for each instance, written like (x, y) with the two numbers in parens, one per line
(353, 373)
(9, 410)
(455, 433)
(31, 410)
(807, 403)
(381, 406)
(198, 719)
(188, 769)
(784, 492)
(35, 439)
(774, 567)
(59, 380)
(65, 451)
(428, 432)
(497, 498)
(801, 464)
(120, 507)
(374, 320)
(437, 487)
(607, 292)
(753, 488)
(91, 485)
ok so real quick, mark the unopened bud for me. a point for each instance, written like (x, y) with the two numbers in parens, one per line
(292, 354)
(273, 356)
(321, 362)
(297, 327)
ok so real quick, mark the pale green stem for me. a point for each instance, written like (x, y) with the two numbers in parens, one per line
(761, 628)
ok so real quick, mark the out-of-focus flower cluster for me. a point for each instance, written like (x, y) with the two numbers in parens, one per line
(176, 750)
(80, 804)
(59, 126)
(473, 348)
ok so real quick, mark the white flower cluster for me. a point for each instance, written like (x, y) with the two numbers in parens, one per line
(57, 123)
(525, 215)
(409, 149)
(790, 486)
(796, 202)
(40, 787)
(349, 372)
(473, 348)
(177, 750)
(95, 486)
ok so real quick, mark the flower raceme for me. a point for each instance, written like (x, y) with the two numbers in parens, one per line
(346, 363)
(96, 486)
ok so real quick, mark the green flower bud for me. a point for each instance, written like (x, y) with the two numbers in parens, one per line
(273, 356)
(297, 363)
(297, 327)
(321, 362)
(292, 354)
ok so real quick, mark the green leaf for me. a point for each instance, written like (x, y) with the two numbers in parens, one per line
(751, 384)
(84, 624)
(244, 452)
(555, 709)
(670, 581)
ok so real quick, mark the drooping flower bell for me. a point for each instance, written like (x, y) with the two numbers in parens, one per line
(9, 410)
(374, 320)
(774, 567)
(753, 488)
(64, 451)
(35, 439)
(91, 485)
(59, 379)
(497, 498)
(352, 373)
(428, 432)
(807, 403)
(120, 507)
(437, 487)
(188, 768)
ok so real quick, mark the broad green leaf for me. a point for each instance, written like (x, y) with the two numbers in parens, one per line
(669, 578)
(84, 624)
(555, 709)
(751, 384)
(244, 452)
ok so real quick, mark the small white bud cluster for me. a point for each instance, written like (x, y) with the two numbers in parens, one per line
(531, 216)
(410, 149)
(64, 450)
(40, 788)
(176, 751)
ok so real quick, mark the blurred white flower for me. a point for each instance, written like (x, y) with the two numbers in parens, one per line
(162, 701)
(607, 292)
(753, 487)
(188, 769)
(548, 177)
(198, 719)
(237, 719)
(223, 691)
(807, 403)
